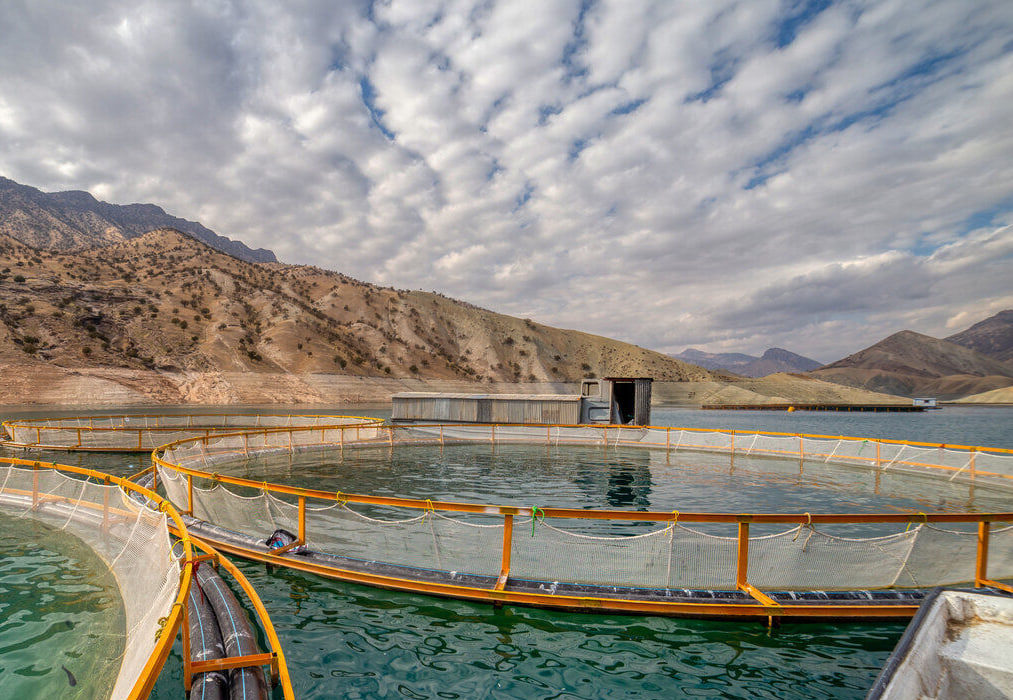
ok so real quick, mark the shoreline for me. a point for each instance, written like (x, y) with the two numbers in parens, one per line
(52, 386)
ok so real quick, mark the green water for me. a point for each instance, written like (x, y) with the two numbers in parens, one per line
(344, 640)
(60, 609)
(351, 641)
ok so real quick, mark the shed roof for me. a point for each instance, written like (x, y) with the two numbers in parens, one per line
(498, 397)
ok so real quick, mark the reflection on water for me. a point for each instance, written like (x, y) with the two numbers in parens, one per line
(628, 487)
(578, 476)
(349, 641)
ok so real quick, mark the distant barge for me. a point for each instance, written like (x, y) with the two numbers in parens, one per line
(867, 407)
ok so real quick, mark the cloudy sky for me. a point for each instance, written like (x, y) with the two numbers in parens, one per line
(710, 173)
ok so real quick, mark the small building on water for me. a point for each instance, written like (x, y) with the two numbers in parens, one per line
(924, 402)
(607, 401)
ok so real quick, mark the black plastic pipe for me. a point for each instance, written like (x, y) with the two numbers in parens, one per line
(205, 644)
(237, 635)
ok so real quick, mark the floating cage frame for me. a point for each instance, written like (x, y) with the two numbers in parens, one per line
(145, 432)
(748, 585)
(113, 514)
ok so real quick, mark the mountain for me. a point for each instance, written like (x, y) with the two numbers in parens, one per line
(772, 361)
(75, 220)
(731, 361)
(912, 364)
(992, 337)
(166, 303)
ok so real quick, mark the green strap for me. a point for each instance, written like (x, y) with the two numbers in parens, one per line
(534, 515)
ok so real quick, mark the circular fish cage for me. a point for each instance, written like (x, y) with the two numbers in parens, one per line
(143, 433)
(128, 526)
(157, 567)
(802, 565)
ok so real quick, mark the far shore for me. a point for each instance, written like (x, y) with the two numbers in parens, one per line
(58, 387)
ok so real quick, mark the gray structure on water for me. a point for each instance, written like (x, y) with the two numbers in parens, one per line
(608, 401)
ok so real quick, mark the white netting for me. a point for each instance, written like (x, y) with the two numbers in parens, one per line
(131, 539)
(664, 557)
(148, 432)
(805, 558)
(653, 556)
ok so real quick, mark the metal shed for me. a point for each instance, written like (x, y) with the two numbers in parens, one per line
(612, 400)
(561, 409)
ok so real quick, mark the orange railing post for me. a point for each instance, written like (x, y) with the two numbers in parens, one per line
(302, 519)
(981, 562)
(508, 535)
(742, 559)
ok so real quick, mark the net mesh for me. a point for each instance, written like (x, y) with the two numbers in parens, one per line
(148, 432)
(131, 539)
(656, 555)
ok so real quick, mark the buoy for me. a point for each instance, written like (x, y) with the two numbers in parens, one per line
(790, 409)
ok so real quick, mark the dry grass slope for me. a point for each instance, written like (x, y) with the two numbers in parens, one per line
(165, 302)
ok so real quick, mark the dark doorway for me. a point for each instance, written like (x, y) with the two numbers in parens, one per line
(623, 402)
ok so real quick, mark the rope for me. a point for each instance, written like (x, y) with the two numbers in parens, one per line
(162, 621)
(925, 521)
(895, 457)
(833, 452)
(752, 444)
(809, 524)
(621, 538)
(535, 516)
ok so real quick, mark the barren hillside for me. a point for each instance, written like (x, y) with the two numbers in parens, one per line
(992, 337)
(165, 302)
(910, 364)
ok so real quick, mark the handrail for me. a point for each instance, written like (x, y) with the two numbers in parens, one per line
(591, 514)
(167, 634)
(712, 517)
(851, 438)
(385, 436)
(51, 425)
(184, 415)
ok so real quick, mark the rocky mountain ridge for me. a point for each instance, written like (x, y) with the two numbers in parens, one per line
(772, 361)
(992, 337)
(913, 364)
(167, 302)
(75, 220)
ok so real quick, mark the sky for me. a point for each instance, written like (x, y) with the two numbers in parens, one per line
(724, 175)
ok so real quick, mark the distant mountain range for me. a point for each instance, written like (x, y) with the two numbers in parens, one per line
(913, 364)
(75, 220)
(975, 362)
(992, 337)
(772, 361)
(155, 308)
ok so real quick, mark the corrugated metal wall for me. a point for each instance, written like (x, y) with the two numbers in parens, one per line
(642, 408)
(487, 410)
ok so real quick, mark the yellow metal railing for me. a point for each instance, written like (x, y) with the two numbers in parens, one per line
(142, 432)
(178, 614)
(182, 456)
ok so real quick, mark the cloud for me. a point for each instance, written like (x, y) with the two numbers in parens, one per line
(727, 174)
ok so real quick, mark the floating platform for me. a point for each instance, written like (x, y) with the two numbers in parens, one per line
(957, 646)
(863, 407)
